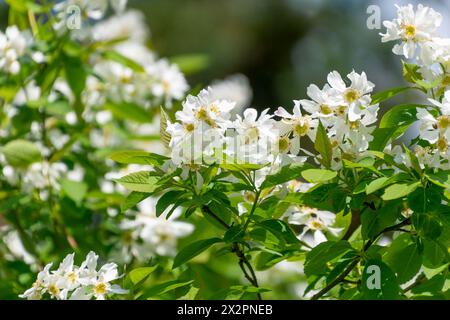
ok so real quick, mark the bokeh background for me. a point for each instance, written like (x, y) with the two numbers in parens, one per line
(280, 45)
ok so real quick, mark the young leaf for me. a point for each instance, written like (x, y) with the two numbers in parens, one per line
(318, 175)
(323, 145)
(128, 111)
(387, 94)
(192, 250)
(74, 190)
(287, 173)
(138, 157)
(133, 199)
(164, 120)
(140, 181)
(21, 153)
(399, 190)
(165, 287)
(140, 274)
(167, 199)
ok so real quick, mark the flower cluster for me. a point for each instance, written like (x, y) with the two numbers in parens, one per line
(205, 129)
(146, 235)
(417, 32)
(73, 282)
(13, 44)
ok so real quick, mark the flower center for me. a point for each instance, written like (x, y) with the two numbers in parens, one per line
(316, 224)
(72, 277)
(283, 144)
(340, 111)
(100, 288)
(351, 95)
(443, 122)
(53, 289)
(410, 31)
(301, 128)
(354, 125)
(446, 81)
(166, 86)
(189, 127)
(325, 109)
(442, 144)
(202, 114)
(251, 135)
(249, 197)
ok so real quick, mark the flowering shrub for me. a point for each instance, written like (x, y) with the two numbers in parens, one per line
(91, 161)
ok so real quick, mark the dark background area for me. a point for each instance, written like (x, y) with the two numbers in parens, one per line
(282, 46)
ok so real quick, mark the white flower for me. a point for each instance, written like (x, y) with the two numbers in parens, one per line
(100, 284)
(43, 174)
(322, 104)
(356, 96)
(67, 274)
(434, 129)
(12, 46)
(297, 124)
(81, 283)
(30, 93)
(411, 28)
(15, 246)
(38, 288)
(200, 128)
(129, 25)
(154, 235)
(234, 88)
(316, 223)
(255, 136)
(168, 81)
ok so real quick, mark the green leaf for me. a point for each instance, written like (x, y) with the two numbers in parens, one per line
(373, 222)
(319, 256)
(265, 260)
(192, 250)
(434, 255)
(411, 72)
(323, 145)
(234, 234)
(387, 94)
(117, 57)
(376, 184)
(286, 174)
(75, 190)
(399, 190)
(318, 175)
(21, 153)
(166, 200)
(404, 258)
(140, 181)
(281, 230)
(133, 199)
(381, 137)
(165, 287)
(379, 282)
(140, 274)
(400, 117)
(75, 74)
(164, 120)
(129, 111)
(138, 157)
(440, 178)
